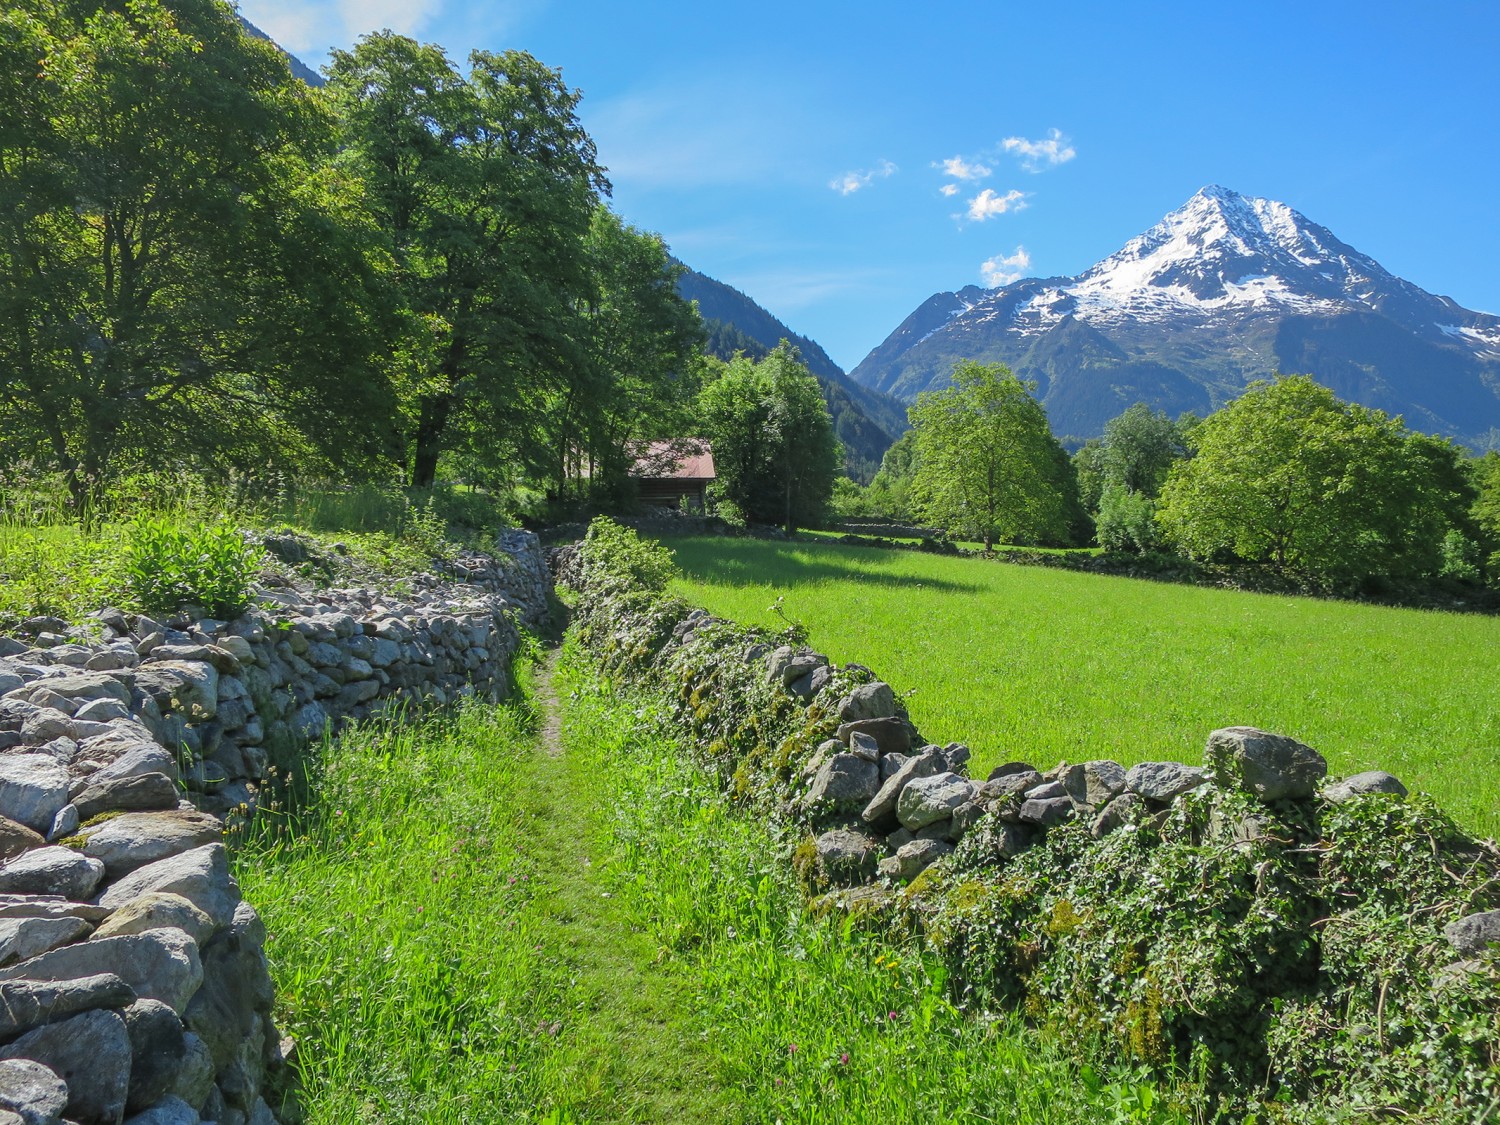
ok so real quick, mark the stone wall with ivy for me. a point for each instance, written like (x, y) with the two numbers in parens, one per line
(1305, 947)
(133, 982)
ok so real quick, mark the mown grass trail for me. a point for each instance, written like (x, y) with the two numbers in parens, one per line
(468, 925)
(1042, 665)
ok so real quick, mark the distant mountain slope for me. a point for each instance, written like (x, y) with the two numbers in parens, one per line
(1224, 290)
(299, 68)
(866, 421)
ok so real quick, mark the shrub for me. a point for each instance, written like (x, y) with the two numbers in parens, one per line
(620, 559)
(169, 566)
(1127, 521)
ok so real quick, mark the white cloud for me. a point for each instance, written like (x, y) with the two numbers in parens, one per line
(1037, 156)
(851, 182)
(987, 204)
(312, 28)
(998, 271)
(949, 189)
(961, 169)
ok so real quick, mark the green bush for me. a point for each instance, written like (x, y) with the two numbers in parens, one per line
(169, 566)
(622, 560)
(1127, 521)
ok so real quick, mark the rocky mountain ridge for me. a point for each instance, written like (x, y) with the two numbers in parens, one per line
(1224, 290)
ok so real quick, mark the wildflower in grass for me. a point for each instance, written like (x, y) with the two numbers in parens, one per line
(792, 1049)
(844, 1058)
(890, 1015)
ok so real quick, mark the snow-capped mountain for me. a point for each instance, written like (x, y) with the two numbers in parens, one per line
(1224, 290)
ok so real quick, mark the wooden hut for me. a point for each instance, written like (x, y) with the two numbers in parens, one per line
(674, 474)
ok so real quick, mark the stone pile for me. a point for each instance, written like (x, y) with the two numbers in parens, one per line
(133, 982)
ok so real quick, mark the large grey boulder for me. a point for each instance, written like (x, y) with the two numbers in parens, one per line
(157, 1051)
(882, 806)
(29, 1003)
(51, 871)
(1272, 767)
(892, 735)
(169, 1111)
(33, 787)
(17, 838)
(1162, 781)
(1046, 811)
(201, 876)
(195, 1077)
(138, 793)
(846, 857)
(154, 911)
(131, 840)
(31, 1091)
(91, 1053)
(1001, 785)
(187, 687)
(1118, 813)
(912, 858)
(21, 938)
(868, 701)
(157, 965)
(1473, 935)
(926, 800)
(90, 687)
(1094, 783)
(1371, 781)
(846, 781)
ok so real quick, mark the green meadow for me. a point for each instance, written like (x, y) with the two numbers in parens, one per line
(1042, 665)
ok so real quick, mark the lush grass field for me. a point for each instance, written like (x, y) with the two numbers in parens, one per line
(1039, 664)
(468, 928)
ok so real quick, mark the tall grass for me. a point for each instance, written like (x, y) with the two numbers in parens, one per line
(1042, 665)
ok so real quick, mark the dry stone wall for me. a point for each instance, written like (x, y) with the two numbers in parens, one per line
(133, 981)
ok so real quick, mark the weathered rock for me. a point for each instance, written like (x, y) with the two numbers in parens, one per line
(32, 788)
(21, 938)
(1009, 768)
(49, 906)
(158, 964)
(912, 859)
(227, 1013)
(51, 871)
(189, 687)
(777, 662)
(32, 1092)
(25, 1004)
(1118, 813)
(195, 1077)
(91, 1053)
(801, 665)
(201, 876)
(141, 792)
(1046, 791)
(1010, 784)
(65, 823)
(882, 806)
(864, 746)
(891, 735)
(1162, 781)
(819, 757)
(16, 838)
(868, 701)
(1475, 934)
(846, 781)
(928, 799)
(131, 840)
(1371, 781)
(1241, 831)
(157, 1050)
(1271, 766)
(169, 1111)
(1095, 783)
(1046, 811)
(890, 765)
(155, 911)
(846, 857)
(956, 754)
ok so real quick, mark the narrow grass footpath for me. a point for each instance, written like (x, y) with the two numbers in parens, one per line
(635, 1053)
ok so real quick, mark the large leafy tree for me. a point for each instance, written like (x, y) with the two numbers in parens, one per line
(1123, 473)
(179, 282)
(640, 344)
(1290, 475)
(773, 442)
(987, 465)
(483, 186)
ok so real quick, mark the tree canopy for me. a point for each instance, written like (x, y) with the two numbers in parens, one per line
(986, 464)
(773, 442)
(1290, 475)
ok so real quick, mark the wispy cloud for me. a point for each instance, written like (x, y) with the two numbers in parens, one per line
(851, 182)
(313, 28)
(987, 204)
(961, 169)
(949, 189)
(1001, 270)
(1038, 156)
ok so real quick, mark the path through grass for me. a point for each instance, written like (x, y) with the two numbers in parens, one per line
(1042, 665)
(468, 926)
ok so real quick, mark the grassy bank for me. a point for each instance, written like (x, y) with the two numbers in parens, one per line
(1044, 664)
(476, 919)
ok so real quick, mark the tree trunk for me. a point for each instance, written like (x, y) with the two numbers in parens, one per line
(431, 422)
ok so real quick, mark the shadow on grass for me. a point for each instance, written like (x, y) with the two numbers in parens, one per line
(729, 562)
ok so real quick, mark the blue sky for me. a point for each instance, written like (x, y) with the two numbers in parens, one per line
(798, 151)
